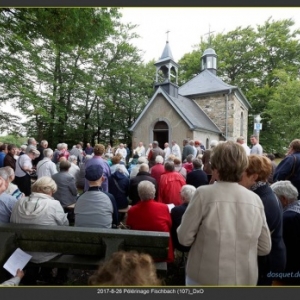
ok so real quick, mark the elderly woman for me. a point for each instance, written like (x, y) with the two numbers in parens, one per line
(40, 208)
(256, 179)
(150, 215)
(24, 168)
(74, 169)
(288, 196)
(187, 192)
(12, 189)
(225, 225)
(116, 164)
(179, 167)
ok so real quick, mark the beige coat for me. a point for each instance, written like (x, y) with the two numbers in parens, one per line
(226, 225)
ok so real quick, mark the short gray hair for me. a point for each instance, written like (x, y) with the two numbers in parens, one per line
(32, 149)
(159, 159)
(169, 166)
(48, 152)
(187, 192)
(10, 171)
(144, 167)
(142, 159)
(285, 188)
(146, 190)
(4, 174)
(72, 158)
(45, 185)
(44, 142)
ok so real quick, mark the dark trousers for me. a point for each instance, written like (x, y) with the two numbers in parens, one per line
(24, 184)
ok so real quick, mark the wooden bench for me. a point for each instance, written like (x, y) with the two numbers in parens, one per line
(81, 248)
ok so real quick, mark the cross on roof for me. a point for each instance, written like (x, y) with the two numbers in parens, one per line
(209, 34)
(168, 35)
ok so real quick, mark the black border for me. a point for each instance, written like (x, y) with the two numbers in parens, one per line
(143, 3)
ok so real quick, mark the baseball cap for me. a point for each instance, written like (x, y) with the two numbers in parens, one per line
(93, 172)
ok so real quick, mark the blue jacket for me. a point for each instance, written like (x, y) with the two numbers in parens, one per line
(275, 261)
(285, 167)
(119, 187)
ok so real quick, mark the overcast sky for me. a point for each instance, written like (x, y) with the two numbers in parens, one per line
(187, 25)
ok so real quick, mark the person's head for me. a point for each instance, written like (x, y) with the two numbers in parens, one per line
(4, 175)
(45, 185)
(72, 159)
(32, 152)
(177, 161)
(173, 142)
(87, 157)
(197, 143)
(159, 159)
(171, 157)
(12, 149)
(169, 166)
(140, 144)
(259, 169)
(228, 161)
(150, 146)
(135, 156)
(116, 159)
(48, 153)
(294, 146)
(197, 163)
(64, 165)
(64, 146)
(94, 175)
(10, 172)
(142, 160)
(126, 269)
(189, 158)
(59, 146)
(187, 192)
(285, 191)
(253, 139)
(155, 144)
(88, 145)
(44, 144)
(3, 148)
(144, 168)
(240, 140)
(23, 148)
(99, 149)
(185, 142)
(121, 146)
(146, 190)
(166, 145)
(31, 141)
(270, 156)
(191, 142)
(213, 144)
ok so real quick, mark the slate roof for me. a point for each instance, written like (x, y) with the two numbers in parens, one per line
(188, 110)
(166, 55)
(204, 83)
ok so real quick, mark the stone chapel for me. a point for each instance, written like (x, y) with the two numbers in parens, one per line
(205, 108)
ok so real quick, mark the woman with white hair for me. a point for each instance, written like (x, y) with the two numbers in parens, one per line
(40, 208)
(24, 168)
(187, 192)
(46, 167)
(287, 193)
(150, 215)
(74, 169)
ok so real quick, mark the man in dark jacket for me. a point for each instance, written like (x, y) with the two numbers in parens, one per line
(197, 176)
(143, 174)
(155, 151)
(289, 167)
(187, 149)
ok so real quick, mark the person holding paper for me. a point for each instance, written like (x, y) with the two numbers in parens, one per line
(40, 208)
(15, 280)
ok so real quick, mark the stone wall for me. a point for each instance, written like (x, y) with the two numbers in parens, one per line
(215, 107)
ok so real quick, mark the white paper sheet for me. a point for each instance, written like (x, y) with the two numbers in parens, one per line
(171, 205)
(18, 260)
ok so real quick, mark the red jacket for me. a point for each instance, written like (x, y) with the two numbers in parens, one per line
(151, 216)
(169, 188)
(156, 171)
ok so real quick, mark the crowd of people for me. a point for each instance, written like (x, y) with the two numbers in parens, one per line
(229, 208)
